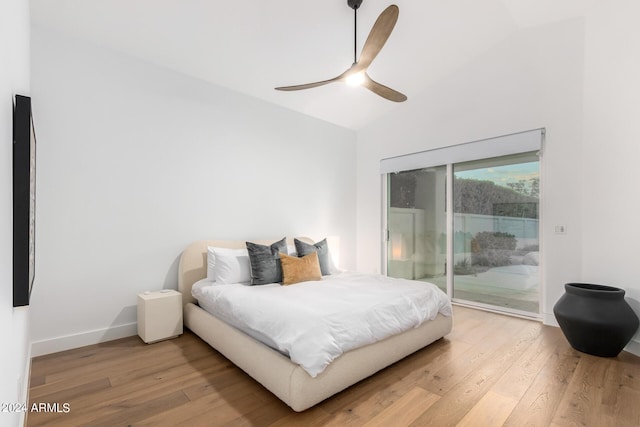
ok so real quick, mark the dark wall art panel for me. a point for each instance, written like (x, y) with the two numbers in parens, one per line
(24, 201)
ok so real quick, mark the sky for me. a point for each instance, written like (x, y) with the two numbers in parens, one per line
(502, 175)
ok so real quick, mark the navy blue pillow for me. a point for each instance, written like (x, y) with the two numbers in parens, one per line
(265, 262)
(322, 248)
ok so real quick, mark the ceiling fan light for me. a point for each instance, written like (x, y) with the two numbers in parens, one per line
(356, 79)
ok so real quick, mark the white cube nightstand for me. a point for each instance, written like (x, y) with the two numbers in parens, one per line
(159, 315)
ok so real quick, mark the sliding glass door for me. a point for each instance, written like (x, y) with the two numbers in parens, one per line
(495, 223)
(417, 243)
(469, 227)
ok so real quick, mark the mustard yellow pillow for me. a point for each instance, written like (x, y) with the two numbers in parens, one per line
(295, 270)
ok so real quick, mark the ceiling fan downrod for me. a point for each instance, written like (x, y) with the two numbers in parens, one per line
(355, 4)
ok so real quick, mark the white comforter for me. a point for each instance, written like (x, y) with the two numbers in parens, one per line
(315, 322)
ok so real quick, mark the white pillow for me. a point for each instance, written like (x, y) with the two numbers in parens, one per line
(231, 266)
(211, 262)
(291, 250)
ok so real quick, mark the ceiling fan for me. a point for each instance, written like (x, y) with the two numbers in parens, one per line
(357, 73)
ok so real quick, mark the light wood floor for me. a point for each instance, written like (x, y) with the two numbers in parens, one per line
(492, 370)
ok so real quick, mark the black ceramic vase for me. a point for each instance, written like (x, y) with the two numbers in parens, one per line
(595, 319)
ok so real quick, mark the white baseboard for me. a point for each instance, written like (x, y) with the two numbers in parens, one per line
(24, 392)
(67, 342)
(549, 319)
(633, 347)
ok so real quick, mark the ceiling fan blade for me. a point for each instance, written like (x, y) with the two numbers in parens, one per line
(309, 85)
(382, 90)
(378, 36)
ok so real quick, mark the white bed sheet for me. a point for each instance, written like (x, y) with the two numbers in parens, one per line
(315, 322)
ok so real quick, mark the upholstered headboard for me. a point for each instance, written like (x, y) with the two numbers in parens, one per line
(193, 262)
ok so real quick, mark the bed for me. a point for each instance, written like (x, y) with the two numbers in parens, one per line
(274, 370)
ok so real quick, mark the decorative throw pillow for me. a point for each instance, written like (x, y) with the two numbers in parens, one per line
(322, 248)
(296, 270)
(265, 262)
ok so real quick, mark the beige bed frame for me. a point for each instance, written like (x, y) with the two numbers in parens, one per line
(287, 380)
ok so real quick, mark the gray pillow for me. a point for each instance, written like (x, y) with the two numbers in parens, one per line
(322, 248)
(265, 262)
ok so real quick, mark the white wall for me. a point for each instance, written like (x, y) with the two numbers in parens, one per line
(135, 162)
(611, 199)
(531, 80)
(14, 323)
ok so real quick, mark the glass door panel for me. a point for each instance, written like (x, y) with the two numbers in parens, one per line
(416, 218)
(495, 232)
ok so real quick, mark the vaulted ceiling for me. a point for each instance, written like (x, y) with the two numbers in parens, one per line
(252, 46)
